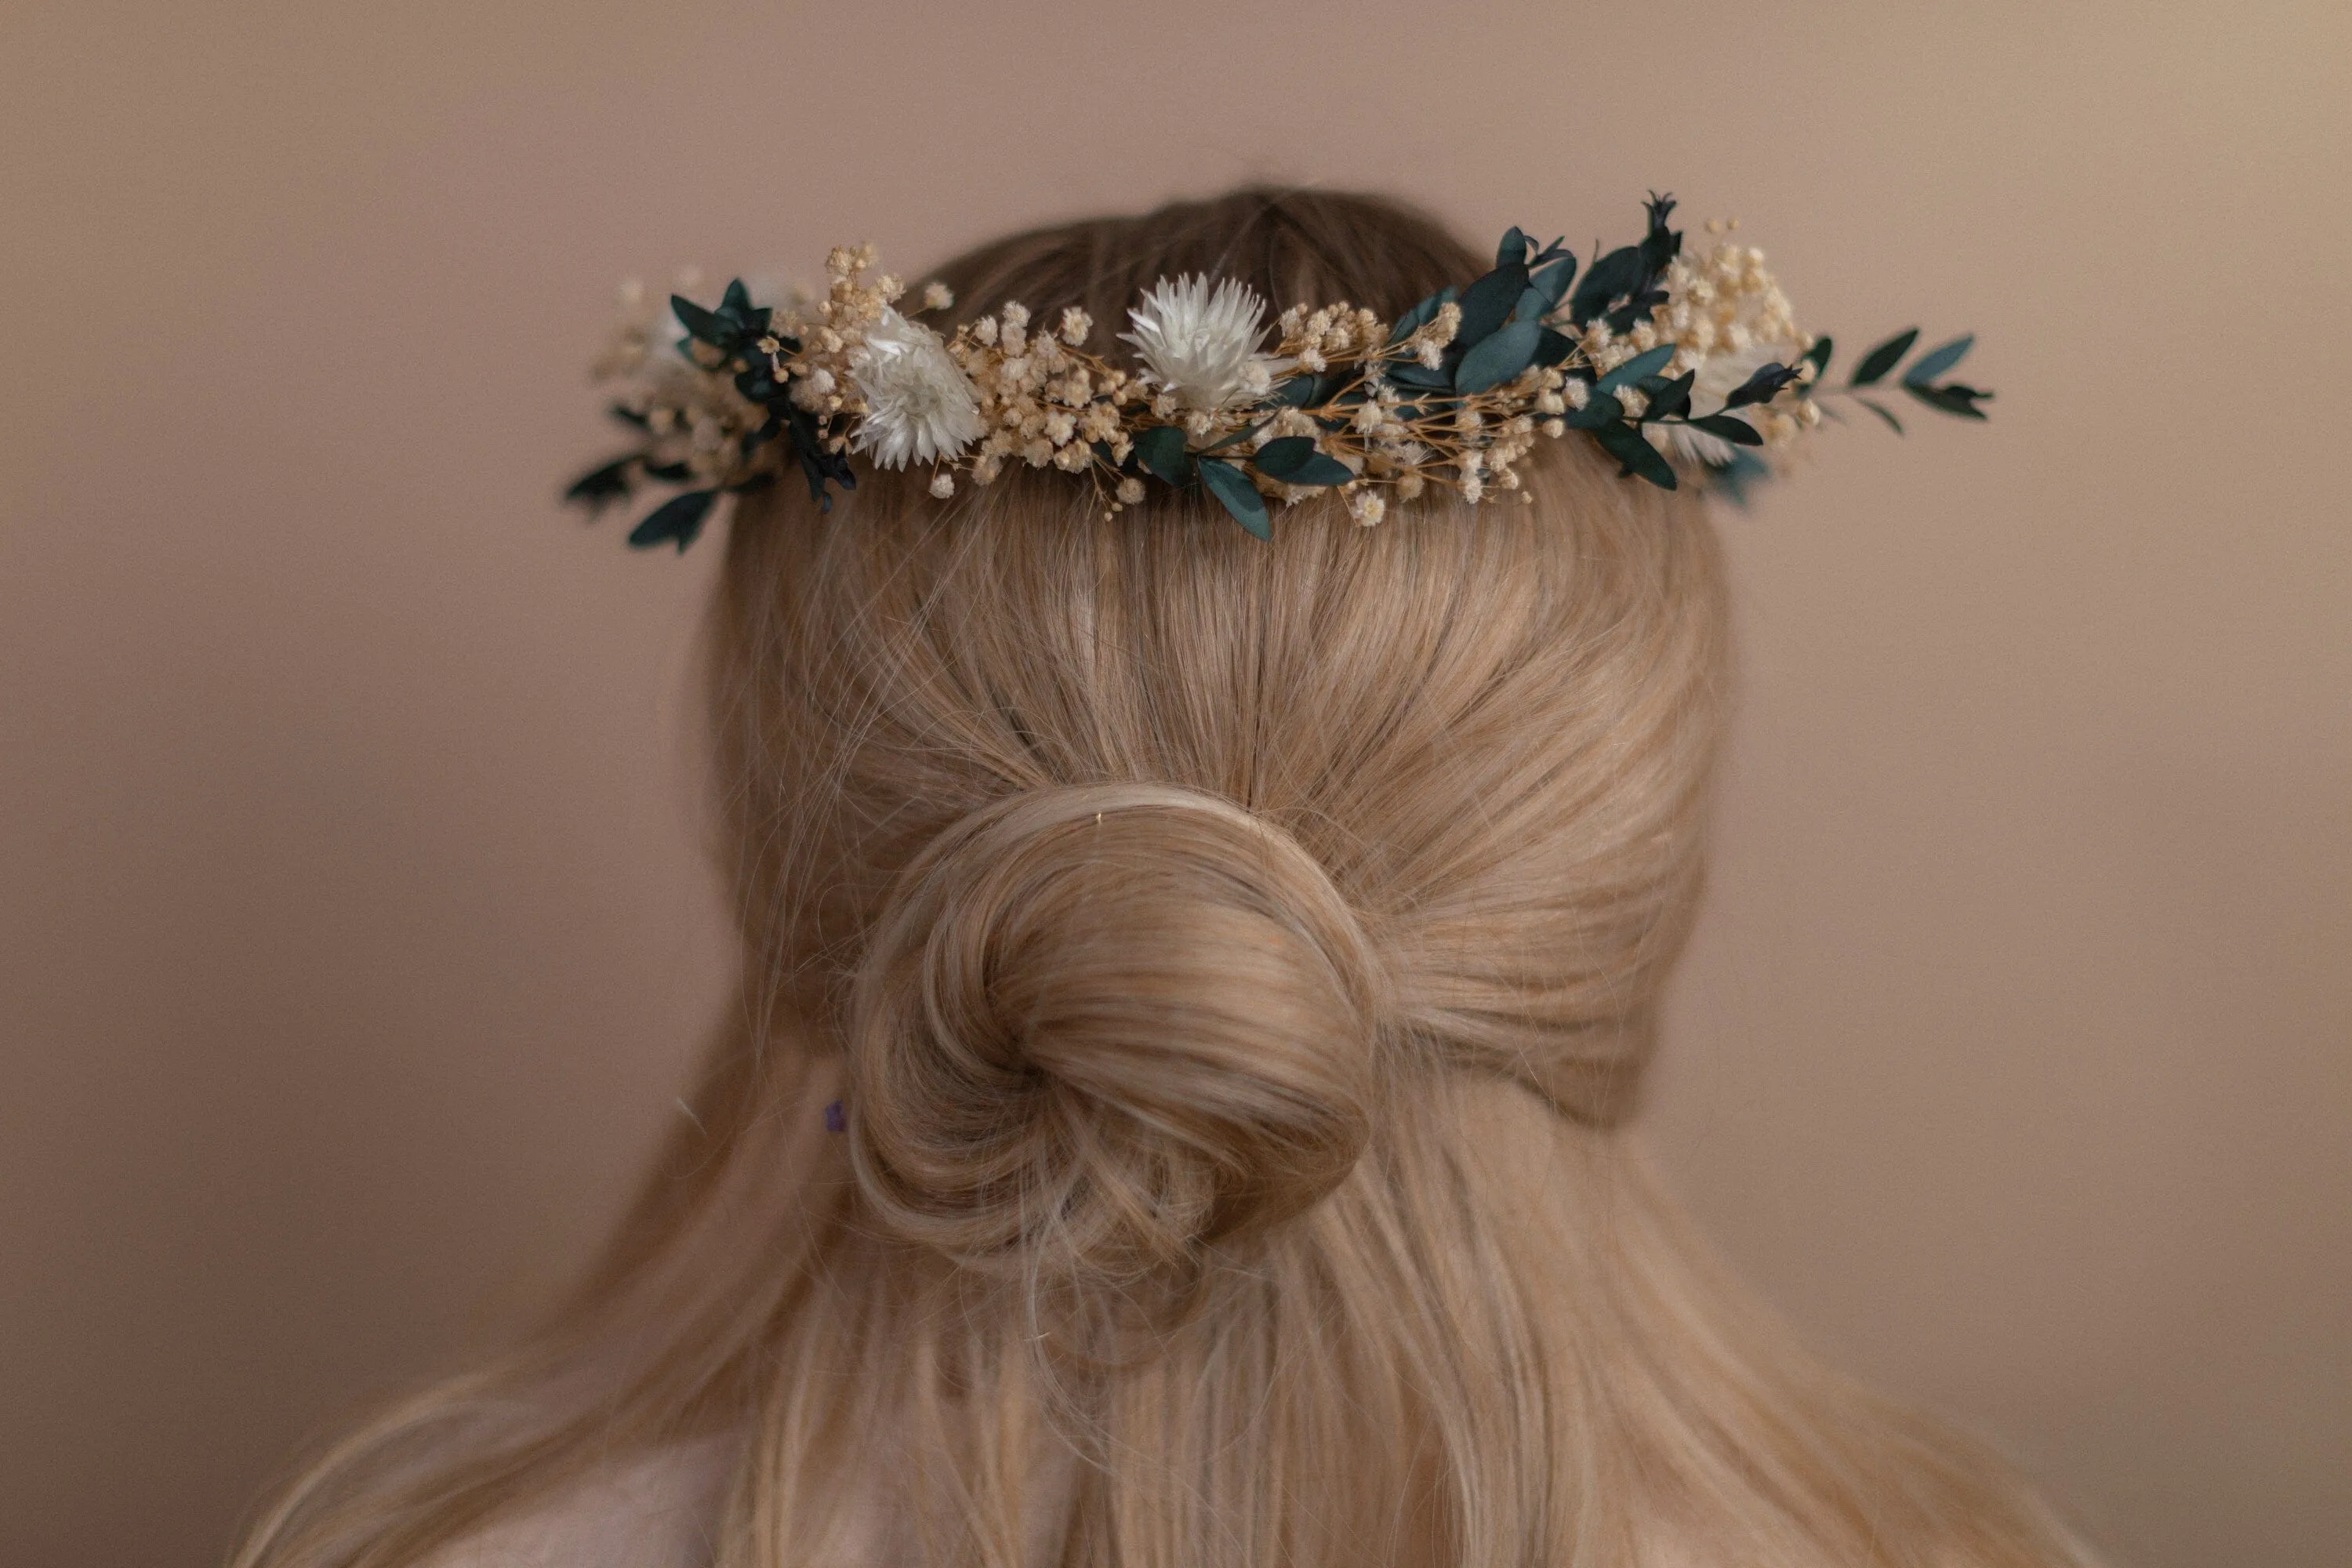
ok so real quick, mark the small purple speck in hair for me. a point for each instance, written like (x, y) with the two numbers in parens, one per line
(836, 1118)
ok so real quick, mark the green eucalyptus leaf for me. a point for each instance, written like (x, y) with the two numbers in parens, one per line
(1499, 358)
(1884, 358)
(1670, 399)
(1421, 315)
(1818, 356)
(600, 487)
(1319, 469)
(1635, 455)
(1734, 479)
(701, 323)
(1599, 410)
(1554, 279)
(1951, 398)
(1729, 427)
(1635, 368)
(1297, 391)
(1486, 303)
(1552, 348)
(1514, 248)
(1234, 490)
(1883, 412)
(1621, 271)
(1412, 372)
(676, 520)
(1283, 456)
(1937, 360)
(1161, 450)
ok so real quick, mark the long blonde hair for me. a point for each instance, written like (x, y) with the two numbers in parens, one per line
(1234, 962)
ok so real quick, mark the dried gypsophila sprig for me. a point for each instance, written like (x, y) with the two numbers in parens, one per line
(1660, 358)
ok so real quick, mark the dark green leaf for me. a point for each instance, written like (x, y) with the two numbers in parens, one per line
(1294, 461)
(1411, 373)
(1733, 479)
(669, 473)
(1554, 279)
(1635, 368)
(1880, 409)
(1600, 409)
(1635, 455)
(1421, 315)
(628, 415)
(1884, 358)
(1236, 439)
(1514, 248)
(1761, 387)
(1951, 397)
(1552, 348)
(1233, 488)
(1486, 303)
(1322, 470)
(1818, 356)
(1161, 449)
(1671, 398)
(1937, 360)
(1620, 271)
(1285, 456)
(1499, 358)
(1661, 244)
(1736, 431)
(675, 521)
(1298, 392)
(701, 323)
(600, 487)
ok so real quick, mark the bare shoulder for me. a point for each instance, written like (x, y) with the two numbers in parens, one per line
(655, 1510)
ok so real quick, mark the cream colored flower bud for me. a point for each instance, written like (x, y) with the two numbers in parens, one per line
(942, 485)
(1130, 490)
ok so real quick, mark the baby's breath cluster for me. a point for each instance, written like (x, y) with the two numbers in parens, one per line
(1660, 358)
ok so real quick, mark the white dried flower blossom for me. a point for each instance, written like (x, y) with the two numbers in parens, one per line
(938, 297)
(1201, 343)
(942, 485)
(920, 404)
(1075, 325)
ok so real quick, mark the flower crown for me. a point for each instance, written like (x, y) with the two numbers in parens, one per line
(1664, 359)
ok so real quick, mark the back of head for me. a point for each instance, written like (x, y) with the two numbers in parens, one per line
(1473, 743)
(1232, 960)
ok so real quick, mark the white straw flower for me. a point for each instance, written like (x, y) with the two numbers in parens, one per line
(920, 406)
(1203, 344)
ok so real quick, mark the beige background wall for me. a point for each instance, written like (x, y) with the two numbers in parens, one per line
(354, 937)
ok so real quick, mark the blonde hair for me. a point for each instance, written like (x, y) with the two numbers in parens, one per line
(1235, 962)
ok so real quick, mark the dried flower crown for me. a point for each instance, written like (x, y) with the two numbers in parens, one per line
(1664, 359)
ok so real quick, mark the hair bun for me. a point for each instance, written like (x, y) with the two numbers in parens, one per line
(1099, 1024)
